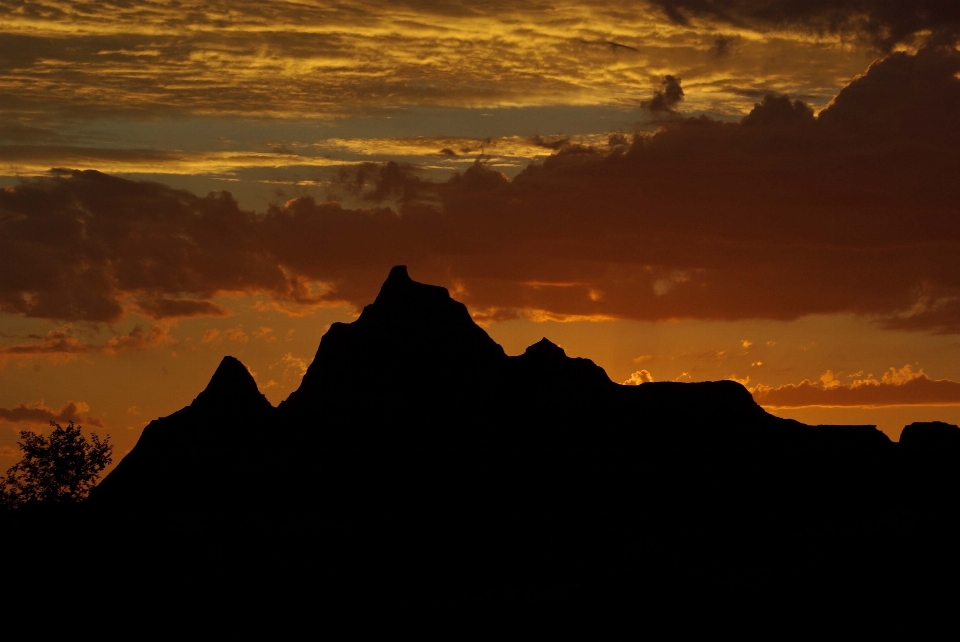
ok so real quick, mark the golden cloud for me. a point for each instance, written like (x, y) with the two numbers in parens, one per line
(639, 377)
(320, 59)
(37, 160)
(896, 387)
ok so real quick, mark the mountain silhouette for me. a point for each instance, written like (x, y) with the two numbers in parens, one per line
(418, 463)
(395, 375)
(199, 453)
(415, 372)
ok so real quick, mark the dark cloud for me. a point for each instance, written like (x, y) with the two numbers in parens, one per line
(883, 24)
(777, 217)
(759, 91)
(75, 246)
(382, 182)
(39, 413)
(56, 342)
(901, 387)
(778, 111)
(163, 308)
(617, 140)
(15, 154)
(63, 344)
(615, 47)
(905, 95)
(723, 45)
(21, 133)
(665, 98)
(554, 143)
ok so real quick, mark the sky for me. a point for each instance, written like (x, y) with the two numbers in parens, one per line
(677, 189)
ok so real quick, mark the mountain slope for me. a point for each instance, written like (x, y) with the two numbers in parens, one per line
(198, 454)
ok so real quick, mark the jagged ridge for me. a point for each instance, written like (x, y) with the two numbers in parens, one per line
(414, 370)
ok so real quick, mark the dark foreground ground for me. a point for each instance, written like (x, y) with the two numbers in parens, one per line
(604, 542)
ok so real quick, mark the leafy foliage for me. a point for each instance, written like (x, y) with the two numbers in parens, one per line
(61, 469)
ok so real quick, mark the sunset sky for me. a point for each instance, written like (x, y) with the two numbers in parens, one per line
(677, 189)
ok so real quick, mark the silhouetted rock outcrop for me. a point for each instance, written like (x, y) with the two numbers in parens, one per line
(930, 434)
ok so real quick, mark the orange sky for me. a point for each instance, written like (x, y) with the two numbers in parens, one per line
(674, 189)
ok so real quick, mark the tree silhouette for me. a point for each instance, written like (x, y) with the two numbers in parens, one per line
(58, 470)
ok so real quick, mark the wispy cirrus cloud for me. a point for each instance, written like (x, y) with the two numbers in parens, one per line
(37, 160)
(90, 59)
(882, 24)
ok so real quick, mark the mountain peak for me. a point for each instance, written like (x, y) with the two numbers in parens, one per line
(545, 348)
(400, 289)
(407, 302)
(414, 330)
(398, 273)
(231, 386)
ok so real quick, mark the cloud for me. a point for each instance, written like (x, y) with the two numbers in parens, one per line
(264, 334)
(390, 181)
(308, 59)
(325, 60)
(667, 97)
(638, 377)
(37, 159)
(555, 143)
(723, 45)
(83, 245)
(63, 345)
(236, 334)
(907, 96)
(162, 308)
(298, 365)
(777, 217)
(778, 111)
(707, 355)
(896, 387)
(39, 413)
(57, 343)
(882, 24)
